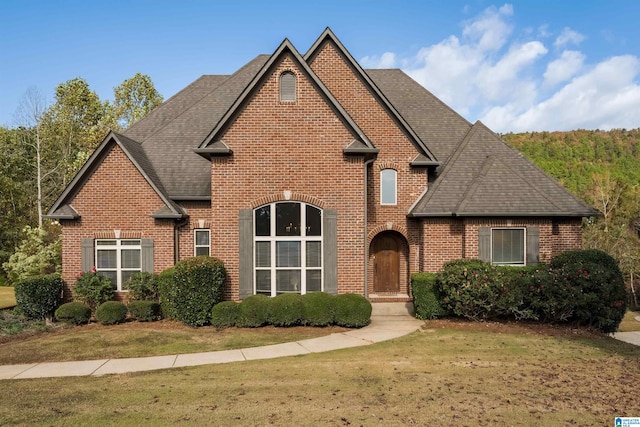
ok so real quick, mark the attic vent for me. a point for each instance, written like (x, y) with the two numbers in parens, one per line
(287, 86)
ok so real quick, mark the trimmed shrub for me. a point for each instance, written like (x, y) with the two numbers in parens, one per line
(318, 309)
(599, 289)
(225, 314)
(143, 286)
(477, 290)
(352, 310)
(285, 310)
(425, 302)
(166, 294)
(198, 285)
(76, 313)
(93, 289)
(253, 311)
(111, 313)
(38, 297)
(144, 311)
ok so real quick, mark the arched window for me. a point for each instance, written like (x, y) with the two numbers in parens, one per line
(288, 248)
(388, 187)
(288, 86)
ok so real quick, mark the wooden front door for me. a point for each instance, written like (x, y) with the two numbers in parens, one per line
(386, 263)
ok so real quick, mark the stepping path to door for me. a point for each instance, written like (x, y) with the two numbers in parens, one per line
(388, 321)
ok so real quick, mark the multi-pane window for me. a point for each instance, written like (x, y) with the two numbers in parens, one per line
(388, 187)
(288, 248)
(202, 242)
(118, 259)
(508, 246)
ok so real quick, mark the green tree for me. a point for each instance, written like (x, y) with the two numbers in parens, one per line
(134, 99)
(39, 253)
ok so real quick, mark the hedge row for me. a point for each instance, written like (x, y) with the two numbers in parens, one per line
(314, 309)
(582, 287)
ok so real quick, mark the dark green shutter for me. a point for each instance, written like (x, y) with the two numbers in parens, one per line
(484, 244)
(246, 253)
(533, 245)
(330, 250)
(88, 255)
(147, 255)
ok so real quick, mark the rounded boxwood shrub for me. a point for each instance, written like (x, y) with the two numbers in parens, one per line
(600, 293)
(111, 312)
(143, 286)
(225, 314)
(76, 313)
(285, 310)
(166, 294)
(352, 310)
(318, 309)
(198, 285)
(38, 297)
(253, 311)
(93, 289)
(144, 311)
(425, 301)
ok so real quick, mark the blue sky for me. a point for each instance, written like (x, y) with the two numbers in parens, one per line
(517, 66)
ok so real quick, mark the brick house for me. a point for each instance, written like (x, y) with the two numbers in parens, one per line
(304, 173)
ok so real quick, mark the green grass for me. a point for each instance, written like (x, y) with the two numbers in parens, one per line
(451, 373)
(629, 322)
(7, 297)
(135, 339)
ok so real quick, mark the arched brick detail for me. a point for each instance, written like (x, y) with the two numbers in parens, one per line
(280, 197)
(390, 226)
(388, 165)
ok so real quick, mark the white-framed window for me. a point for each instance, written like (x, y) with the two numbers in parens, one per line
(287, 87)
(118, 259)
(508, 246)
(388, 187)
(287, 248)
(201, 241)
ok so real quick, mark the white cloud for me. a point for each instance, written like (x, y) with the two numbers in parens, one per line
(568, 36)
(386, 60)
(511, 84)
(563, 68)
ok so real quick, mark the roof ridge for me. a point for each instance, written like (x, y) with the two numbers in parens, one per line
(471, 190)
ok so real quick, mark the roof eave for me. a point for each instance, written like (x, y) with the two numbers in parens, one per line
(504, 214)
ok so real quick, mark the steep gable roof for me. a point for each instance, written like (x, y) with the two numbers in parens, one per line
(62, 209)
(486, 177)
(212, 143)
(428, 157)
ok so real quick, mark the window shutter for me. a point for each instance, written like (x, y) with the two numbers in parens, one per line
(88, 254)
(330, 250)
(287, 87)
(147, 255)
(484, 244)
(246, 253)
(533, 245)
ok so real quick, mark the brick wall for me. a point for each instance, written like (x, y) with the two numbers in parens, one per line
(454, 238)
(115, 197)
(289, 146)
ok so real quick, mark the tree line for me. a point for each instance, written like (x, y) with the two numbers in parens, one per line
(41, 154)
(603, 169)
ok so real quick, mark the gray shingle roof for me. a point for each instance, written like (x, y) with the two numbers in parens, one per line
(169, 134)
(479, 174)
(486, 177)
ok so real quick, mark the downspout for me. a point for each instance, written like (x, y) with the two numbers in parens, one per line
(176, 238)
(366, 246)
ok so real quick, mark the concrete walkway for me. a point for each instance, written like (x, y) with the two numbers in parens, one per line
(388, 321)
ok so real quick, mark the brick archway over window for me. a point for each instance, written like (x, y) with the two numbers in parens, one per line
(287, 197)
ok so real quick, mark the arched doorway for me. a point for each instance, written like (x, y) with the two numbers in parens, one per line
(387, 252)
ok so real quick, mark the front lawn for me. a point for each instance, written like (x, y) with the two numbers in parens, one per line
(138, 339)
(7, 297)
(450, 373)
